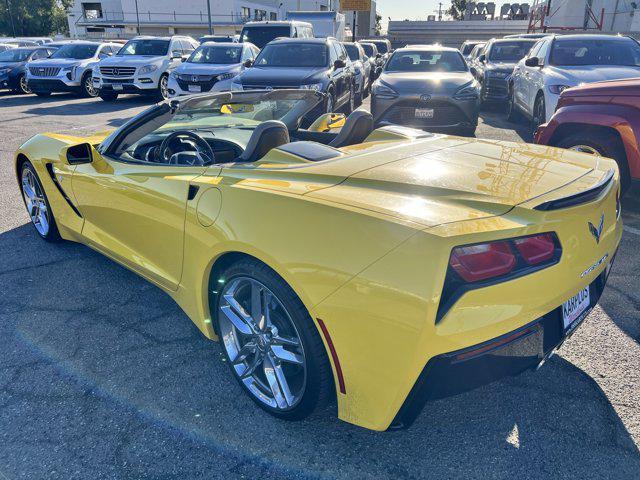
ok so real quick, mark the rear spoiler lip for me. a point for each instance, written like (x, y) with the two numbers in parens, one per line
(578, 198)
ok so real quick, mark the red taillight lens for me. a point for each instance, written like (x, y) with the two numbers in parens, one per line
(536, 249)
(479, 262)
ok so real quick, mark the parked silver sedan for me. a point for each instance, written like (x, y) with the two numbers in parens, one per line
(428, 87)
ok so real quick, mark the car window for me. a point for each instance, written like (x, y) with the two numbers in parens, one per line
(145, 47)
(40, 53)
(534, 51)
(619, 51)
(226, 54)
(293, 55)
(543, 51)
(247, 54)
(339, 50)
(353, 51)
(512, 51)
(426, 61)
(76, 51)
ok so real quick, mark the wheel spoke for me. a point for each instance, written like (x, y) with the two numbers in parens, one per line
(274, 377)
(285, 355)
(256, 304)
(238, 317)
(251, 368)
(280, 340)
(247, 349)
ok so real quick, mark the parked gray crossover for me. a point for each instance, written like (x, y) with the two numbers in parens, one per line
(428, 87)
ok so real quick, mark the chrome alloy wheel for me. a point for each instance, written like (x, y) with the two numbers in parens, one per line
(164, 86)
(585, 149)
(35, 202)
(262, 343)
(89, 88)
(24, 86)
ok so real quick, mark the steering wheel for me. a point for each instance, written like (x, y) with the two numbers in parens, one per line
(204, 152)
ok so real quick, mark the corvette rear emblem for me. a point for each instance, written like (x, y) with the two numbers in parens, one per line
(596, 232)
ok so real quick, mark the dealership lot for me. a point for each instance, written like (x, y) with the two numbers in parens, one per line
(102, 372)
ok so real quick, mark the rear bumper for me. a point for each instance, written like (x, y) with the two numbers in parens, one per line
(525, 348)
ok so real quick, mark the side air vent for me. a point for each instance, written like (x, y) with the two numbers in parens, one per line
(52, 174)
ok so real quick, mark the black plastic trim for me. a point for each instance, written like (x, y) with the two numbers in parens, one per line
(52, 174)
(578, 198)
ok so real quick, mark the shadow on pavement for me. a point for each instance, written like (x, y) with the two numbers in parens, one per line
(102, 372)
(494, 116)
(72, 105)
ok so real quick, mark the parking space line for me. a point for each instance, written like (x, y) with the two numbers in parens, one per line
(635, 231)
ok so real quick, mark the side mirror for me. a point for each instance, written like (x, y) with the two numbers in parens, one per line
(78, 154)
(482, 58)
(339, 64)
(248, 63)
(532, 62)
(176, 54)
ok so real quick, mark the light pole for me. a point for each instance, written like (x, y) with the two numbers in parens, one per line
(209, 17)
(13, 27)
(137, 18)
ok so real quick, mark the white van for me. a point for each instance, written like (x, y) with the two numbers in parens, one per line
(261, 33)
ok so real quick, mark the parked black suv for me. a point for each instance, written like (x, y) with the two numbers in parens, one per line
(309, 63)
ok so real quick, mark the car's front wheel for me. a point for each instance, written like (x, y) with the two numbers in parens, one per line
(163, 87)
(37, 203)
(539, 112)
(23, 86)
(270, 341)
(86, 86)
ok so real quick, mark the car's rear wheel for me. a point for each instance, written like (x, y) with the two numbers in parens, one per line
(599, 143)
(86, 86)
(23, 86)
(270, 341)
(330, 101)
(351, 104)
(37, 203)
(512, 110)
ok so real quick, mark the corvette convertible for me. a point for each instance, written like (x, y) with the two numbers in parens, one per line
(337, 264)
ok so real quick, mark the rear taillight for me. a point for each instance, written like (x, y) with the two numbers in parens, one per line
(479, 262)
(483, 264)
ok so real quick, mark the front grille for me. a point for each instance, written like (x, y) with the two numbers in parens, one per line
(444, 113)
(205, 82)
(118, 71)
(117, 80)
(44, 71)
(496, 87)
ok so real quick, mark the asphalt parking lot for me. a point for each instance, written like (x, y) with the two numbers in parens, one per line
(102, 375)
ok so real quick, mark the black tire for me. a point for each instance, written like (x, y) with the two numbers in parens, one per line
(467, 131)
(108, 97)
(511, 109)
(85, 90)
(163, 93)
(330, 103)
(22, 86)
(43, 94)
(350, 106)
(605, 145)
(319, 389)
(539, 112)
(52, 235)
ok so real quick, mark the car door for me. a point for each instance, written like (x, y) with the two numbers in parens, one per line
(135, 213)
(535, 77)
(340, 75)
(520, 76)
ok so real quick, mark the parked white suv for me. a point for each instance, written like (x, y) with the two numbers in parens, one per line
(211, 67)
(556, 63)
(68, 69)
(142, 66)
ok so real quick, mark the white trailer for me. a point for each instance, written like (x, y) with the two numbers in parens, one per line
(325, 24)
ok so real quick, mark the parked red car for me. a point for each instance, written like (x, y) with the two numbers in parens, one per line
(601, 118)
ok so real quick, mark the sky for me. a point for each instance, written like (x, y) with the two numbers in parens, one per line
(411, 9)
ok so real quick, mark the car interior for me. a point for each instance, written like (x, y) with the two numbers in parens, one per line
(196, 145)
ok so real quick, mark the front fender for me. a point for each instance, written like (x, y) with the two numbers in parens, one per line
(624, 120)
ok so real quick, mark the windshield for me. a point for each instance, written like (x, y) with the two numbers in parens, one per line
(382, 46)
(15, 55)
(421, 61)
(467, 48)
(293, 55)
(216, 55)
(145, 47)
(260, 36)
(352, 51)
(368, 49)
(510, 51)
(610, 51)
(217, 39)
(76, 51)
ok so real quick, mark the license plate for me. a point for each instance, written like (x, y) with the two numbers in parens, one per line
(575, 308)
(424, 113)
(195, 88)
(117, 86)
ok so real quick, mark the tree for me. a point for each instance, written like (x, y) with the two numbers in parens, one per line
(378, 26)
(458, 7)
(34, 18)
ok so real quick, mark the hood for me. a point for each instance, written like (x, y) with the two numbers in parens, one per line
(426, 82)
(590, 73)
(130, 60)
(59, 62)
(611, 87)
(285, 76)
(206, 69)
(501, 66)
(11, 64)
(448, 179)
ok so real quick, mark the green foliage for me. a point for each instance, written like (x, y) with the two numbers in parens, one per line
(378, 26)
(33, 18)
(457, 9)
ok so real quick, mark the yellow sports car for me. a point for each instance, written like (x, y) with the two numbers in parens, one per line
(375, 268)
